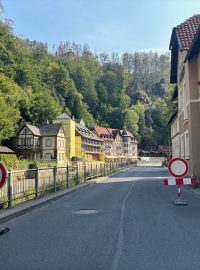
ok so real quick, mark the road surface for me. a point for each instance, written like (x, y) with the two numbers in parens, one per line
(125, 223)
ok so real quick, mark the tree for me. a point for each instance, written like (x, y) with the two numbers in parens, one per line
(124, 101)
(43, 108)
(131, 121)
(77, 110)
(9, 117)
(131, 91)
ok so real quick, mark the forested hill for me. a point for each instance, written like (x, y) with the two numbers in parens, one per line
(131, 90)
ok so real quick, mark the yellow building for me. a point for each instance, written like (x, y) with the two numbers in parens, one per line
(81, 142)
(69, 128)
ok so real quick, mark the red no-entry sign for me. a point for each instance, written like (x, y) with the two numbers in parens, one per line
(3, 175)
(178, 167)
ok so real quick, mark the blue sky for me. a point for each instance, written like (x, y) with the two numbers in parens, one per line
(106, 25)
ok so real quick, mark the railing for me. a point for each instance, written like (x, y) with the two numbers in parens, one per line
(24, 185)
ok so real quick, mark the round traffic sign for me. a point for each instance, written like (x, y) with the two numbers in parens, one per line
(3, 175)
(178, 167)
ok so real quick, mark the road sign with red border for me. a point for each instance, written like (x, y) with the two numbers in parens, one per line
(178, 167)
(3, 175)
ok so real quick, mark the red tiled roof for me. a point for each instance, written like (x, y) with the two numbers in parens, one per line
(194, 48)
(110, 132)
(187, 30)
(113, 131)
(102, 131)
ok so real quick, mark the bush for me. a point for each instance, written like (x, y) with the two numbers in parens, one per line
(10, 160)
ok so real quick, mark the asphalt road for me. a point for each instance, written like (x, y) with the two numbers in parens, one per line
(135, 227)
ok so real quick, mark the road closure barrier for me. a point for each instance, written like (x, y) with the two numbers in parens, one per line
(179, 181)
(179, 168)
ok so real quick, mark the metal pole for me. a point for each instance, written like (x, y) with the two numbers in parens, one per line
(77, 176)
(179, 192)
(179, 200)
(36, 183)
(84, 172)
(9, 190)
(67, 168)
(54, 177)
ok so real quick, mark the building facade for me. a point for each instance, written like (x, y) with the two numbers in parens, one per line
(185, 72)
(119, 144)
(40, 143)
(81, 142)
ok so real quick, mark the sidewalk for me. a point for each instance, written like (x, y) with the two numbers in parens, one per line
(25, 207)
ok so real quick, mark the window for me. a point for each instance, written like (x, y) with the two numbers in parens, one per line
(63, 143)
(185, 101)
(182, 145)
(48, 142)
(37, 142)
(48, 156)
(180, 102)
(187, 144)
(21, 141)
(63, 156)
(28, 141)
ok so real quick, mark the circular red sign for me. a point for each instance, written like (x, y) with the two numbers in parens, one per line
(3, 175)
(178, 167)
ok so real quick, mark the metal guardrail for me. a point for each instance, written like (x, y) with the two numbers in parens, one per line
(24, 185)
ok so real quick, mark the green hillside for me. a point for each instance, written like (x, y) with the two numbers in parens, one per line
(131, 90)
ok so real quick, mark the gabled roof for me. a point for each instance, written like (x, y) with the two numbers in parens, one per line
(43, 130)
(6, 150)
(195, 46)
(35, 130)
(63, 116)
(175, 93)
(181, 39)
(103, 133)
(85, 132)
(185, 32)
(114, 132)
(173, 118)
(50, 129)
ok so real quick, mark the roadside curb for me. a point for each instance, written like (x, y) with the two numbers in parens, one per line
(25, 207)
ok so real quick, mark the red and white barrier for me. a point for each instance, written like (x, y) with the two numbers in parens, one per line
(179, 181)
(179, 168)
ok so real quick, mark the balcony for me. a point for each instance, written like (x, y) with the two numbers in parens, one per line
(28, 147)
(92, 143)
(93, 150)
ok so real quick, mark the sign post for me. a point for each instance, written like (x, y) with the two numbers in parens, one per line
(3, 178)
(178, 168)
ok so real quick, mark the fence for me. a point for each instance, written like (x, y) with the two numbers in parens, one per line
(24, 185)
